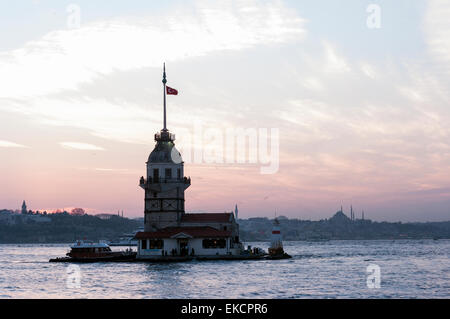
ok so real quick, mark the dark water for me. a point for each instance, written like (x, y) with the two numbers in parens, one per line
(334, 269)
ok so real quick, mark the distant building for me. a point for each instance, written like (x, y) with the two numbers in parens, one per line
(78, 212)
(105, 216)
(24, 208)
(10, 217)
(340, 217)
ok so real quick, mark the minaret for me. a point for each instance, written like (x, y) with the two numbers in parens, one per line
(236, 212)
(165, 182)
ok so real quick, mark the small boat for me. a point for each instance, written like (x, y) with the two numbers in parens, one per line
(126, 239)
(83, 251)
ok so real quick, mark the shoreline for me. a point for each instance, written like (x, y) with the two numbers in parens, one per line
(251, 241)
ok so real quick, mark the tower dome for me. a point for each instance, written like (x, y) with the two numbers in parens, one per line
(165, 150)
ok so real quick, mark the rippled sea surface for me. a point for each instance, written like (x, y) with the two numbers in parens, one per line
(333, 269)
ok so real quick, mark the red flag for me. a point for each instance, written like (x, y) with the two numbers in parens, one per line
(171, 91)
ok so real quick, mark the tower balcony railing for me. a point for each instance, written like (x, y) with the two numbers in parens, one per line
(164, 136)
(150, 180)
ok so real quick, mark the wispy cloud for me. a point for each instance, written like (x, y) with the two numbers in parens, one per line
(11, 144)
(47, 77)
(65, 58)
(437, 30)
(333, 61)
(81, 146)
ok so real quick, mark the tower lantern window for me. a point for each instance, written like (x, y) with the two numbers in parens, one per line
(156, 174)
(168, 173)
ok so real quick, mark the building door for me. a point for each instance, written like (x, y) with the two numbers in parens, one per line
(183, 247)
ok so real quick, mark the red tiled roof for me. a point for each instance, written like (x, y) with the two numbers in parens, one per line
(206, 218)
(195, 232)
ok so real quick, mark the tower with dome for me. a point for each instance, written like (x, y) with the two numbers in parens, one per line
(168, 229)
(165, 182)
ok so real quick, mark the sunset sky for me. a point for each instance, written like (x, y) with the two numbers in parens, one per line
(363, 113)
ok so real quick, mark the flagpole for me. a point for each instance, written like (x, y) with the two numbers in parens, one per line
(164, 81)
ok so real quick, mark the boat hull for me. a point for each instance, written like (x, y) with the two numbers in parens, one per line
(115, 258)
(231, 257)
(278, 256)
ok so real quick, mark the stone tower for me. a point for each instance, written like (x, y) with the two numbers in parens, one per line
(165, 182)
(24, 208)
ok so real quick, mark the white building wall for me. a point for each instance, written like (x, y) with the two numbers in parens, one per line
(193, 243)
(169, 244)
(162, 169)
(197, 244)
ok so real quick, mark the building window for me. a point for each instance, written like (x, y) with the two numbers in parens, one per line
(144, 244)
(156, 174)
(214, 243)
(225, 228)
(156, 244)
(168, 173)
(179, 173)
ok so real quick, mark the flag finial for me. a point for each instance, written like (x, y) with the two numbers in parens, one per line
(164, 73)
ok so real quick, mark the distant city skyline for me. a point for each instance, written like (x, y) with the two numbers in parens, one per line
(359, 97)
(350, 213)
